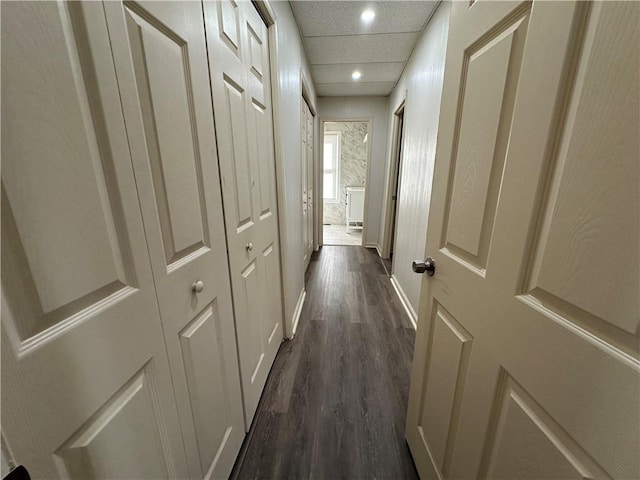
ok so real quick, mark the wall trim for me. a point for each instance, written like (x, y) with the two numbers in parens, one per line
(308, 98)
(266, 11)
(268, 14)
(297, 312)
(393, 170)
(413, 316)
(378, 250)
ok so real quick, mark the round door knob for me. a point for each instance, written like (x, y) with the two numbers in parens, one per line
(428, 266)
(249, 246)
(197, 286)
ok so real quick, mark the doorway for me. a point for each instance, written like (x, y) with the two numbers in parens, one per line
(393, 188)
(345, 161)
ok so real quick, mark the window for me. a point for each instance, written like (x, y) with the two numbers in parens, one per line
(331, 163)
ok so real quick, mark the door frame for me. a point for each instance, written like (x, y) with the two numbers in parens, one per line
(268, 14)
(307, 97)
(393, 172)
(318, 184)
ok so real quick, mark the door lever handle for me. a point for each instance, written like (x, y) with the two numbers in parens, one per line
(428, 266)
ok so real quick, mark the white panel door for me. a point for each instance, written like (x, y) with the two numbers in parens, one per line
(526, 362)
(86, 387)
(161, 62)
(240, 78)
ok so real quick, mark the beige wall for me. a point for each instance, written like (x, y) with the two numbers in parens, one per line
(374, 109)
(421, 81)
(291, 62)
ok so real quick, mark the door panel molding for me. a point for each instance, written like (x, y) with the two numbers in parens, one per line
(162, 67)
(93, 328)
(553, 379)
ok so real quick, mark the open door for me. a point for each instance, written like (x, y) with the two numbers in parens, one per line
(526, 361)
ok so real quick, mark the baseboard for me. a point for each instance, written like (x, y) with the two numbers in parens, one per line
(372, 245)
(413, 316)
(297, 312)
(379, 250)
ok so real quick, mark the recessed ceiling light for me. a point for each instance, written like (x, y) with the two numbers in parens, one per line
(368, 16)
(356, 75)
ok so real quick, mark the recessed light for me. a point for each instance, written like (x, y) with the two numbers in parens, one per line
(368, 16)
(356, 75)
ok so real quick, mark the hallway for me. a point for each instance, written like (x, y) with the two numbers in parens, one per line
(335, 402)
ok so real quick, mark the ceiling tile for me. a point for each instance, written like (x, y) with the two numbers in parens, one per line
(394, 47)
(371, 72)
(328, 18)
(353, 89)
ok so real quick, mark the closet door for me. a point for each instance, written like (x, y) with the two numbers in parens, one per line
(86, 388)
(160, 54)
(239, 69)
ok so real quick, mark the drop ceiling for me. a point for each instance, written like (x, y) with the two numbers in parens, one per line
(337, 43)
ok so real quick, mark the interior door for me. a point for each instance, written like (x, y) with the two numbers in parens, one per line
(240, 78)
(86, 387)
(161, 62)
(526, 361)
(304, 137)
(309, 181)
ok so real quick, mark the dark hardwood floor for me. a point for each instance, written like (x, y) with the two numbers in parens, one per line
(387, 263)
(335, 403)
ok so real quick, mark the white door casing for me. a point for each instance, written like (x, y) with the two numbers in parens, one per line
(304, 137)
(306, 134)
(526, 360)
(85, 379)
(161, 61)
(309, 181)
(240, 78)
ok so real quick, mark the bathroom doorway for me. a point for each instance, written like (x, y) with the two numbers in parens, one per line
(345, 167)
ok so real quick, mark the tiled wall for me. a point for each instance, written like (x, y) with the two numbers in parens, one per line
(353, 165)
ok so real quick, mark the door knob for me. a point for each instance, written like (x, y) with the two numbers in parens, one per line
(249, 246)
(197, 286)
(429, 266)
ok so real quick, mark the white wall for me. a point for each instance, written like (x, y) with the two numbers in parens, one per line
(361, 108)
(422, 82)
(291, 59)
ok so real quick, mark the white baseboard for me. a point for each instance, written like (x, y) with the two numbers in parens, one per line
(373, 245)
(297, 312)
(413, 316)
(379, 250)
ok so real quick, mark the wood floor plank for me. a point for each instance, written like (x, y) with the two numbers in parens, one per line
(335, 402)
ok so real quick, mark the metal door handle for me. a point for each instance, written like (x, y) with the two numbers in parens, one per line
(428, 266)
(198, 286)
